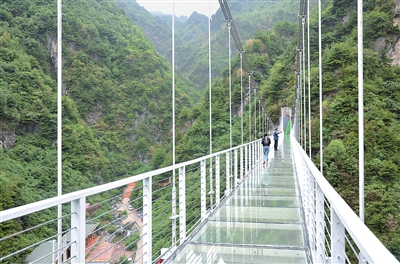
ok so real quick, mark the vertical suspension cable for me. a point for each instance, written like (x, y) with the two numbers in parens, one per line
(230, 86)
(298, 84)
(173, 82)
(209, 72)
(262, 121)
(309, 76)
(298, 110)
(299, 92)
(230, 102)
(241, 88)
(304, 85)
(360, 105)
(210, 103)
(255, 113)
(320, 87)
(228, 17)
(59, 123)
(259, 116)
(249, 107)
(173, 218)
(265, 121)
(270, 124)
(301, 98)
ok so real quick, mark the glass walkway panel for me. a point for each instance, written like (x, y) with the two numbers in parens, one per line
(261, 222)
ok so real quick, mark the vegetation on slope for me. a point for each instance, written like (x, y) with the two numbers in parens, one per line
(119, 90)
(191, 34)
(381, 119)
(117, 119)
(340, 110)
(116, 106)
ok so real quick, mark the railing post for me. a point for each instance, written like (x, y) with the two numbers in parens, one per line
(147, 217)
(250, 154)
(337, 239)
(241, 163)
(203, 192)
(246, 157)
(254, 153)
(174, 215)
(217, 181)
(258, 151)
(228, 173)
(307, 198)
(311, 208)
(78, 225)
(235, 168)
(211, 192)
(320, 226)
(182, 204)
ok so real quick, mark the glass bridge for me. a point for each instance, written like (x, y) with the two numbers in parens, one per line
(260, 222)
(241, 212)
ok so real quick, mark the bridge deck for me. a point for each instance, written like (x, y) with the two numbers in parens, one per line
(261, 222)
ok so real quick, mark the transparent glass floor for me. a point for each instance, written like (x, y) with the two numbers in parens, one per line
(261, 222)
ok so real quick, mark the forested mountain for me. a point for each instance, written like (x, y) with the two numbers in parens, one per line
(340, 107)
(191, 35)
(117, 97)
(272, 54)
(116, 106)
(381, 111)
(154, 27)
(158, 29)
(283, 38)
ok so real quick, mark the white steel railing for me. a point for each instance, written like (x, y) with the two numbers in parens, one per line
(120, 223)
(336, 234)
(137, 224)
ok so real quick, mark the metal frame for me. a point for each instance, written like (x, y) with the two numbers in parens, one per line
(77, 201)
(316, 194)
(342, 218)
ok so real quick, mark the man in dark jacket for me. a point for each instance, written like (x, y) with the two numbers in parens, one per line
(276, 138)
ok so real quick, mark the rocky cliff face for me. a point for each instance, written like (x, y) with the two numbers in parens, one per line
(7, 138)
(394, 53)
(391, 44)
(52, 47)
(396, 18)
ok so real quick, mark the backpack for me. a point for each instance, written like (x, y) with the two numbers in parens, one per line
(265, 142)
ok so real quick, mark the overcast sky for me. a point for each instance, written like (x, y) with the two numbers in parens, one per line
(182, 7)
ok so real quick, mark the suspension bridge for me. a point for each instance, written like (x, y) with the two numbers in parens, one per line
(225, 207)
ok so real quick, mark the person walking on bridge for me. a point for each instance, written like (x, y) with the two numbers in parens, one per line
(266, 142)
(276, 138)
